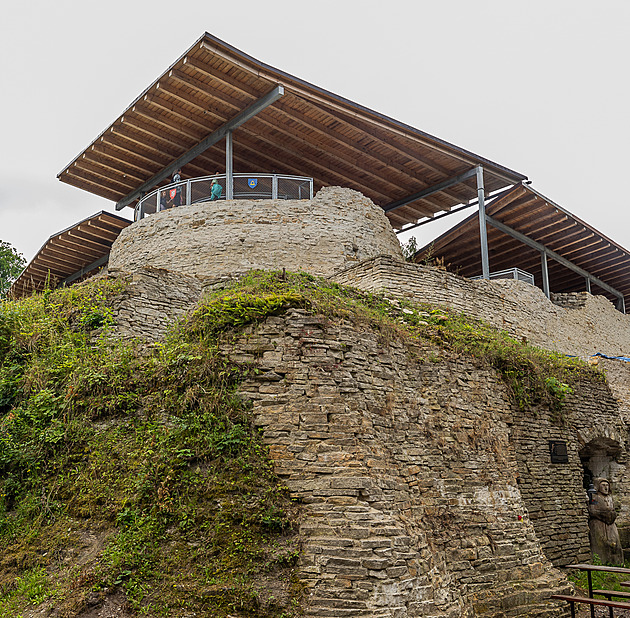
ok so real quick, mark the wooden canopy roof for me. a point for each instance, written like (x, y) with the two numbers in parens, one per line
(72, 254)
(524, 210)
(307, 131)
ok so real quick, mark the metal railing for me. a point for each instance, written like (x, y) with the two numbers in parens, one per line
(510, 273)
(244, 187)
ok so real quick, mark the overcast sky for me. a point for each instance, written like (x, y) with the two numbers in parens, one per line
(541, 87)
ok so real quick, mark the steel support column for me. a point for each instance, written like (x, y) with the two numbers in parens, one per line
(588, 285)
(483, 235)
(545, 273)
(229, 170)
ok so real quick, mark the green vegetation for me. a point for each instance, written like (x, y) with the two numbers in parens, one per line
(535, 377)
(149, 464)
(12, 264)
(409, 249)
(139, 470)
(600, 579)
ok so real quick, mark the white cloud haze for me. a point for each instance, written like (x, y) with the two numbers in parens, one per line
(540, 87)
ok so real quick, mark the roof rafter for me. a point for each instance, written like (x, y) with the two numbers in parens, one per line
(212, 139)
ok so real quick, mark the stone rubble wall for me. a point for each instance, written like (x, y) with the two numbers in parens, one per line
(554, 492)
(591, 324)
(411, 475)
(152, 300)
(570, 300)
(618, 376)
(514, 306)
(337, 228)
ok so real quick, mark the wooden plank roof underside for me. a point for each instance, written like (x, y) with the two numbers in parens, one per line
(525, 210)
(69, 252)
(307, 132)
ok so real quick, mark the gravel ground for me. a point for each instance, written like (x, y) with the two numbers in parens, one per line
(602, 612)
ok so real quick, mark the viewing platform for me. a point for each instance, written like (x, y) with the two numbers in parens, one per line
(234, 187)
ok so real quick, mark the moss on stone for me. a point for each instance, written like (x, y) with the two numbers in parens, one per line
(143, 473)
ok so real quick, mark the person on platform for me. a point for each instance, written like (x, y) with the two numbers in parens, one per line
(215, 190)
(604, 535)
(177, 177)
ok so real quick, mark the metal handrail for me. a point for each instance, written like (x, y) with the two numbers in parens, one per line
(510, 273)
(301, 187)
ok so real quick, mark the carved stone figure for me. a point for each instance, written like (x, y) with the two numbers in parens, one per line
(603, 530)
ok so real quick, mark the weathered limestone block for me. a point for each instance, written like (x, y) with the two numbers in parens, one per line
(337, 228)
(410, 485)
(591, 325)
(570, 300)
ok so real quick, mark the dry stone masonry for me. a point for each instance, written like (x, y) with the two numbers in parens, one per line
(154, 298)
(423, 491)
(517, 307)
(337, 228)
(554, 492)
(412, 476)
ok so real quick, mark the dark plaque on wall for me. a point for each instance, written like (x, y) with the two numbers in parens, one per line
(558, 451)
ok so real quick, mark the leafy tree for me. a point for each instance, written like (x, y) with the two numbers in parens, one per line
(12, 264)
(409, 249)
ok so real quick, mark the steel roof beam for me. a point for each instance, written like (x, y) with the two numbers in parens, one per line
(451, 182)
(552, 254)
(204, 144)
(85, 270)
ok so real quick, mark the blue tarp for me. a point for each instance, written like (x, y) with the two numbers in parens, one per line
(622, 358)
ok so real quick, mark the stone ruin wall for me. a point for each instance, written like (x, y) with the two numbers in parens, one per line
(154, 298)
(554, 492)
(584, 325)
(151, 301)
(402, 455)
(591, 325)
(412, 473)
(517, 307)
(339, 227)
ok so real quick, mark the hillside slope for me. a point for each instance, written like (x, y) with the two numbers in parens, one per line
(133, 480)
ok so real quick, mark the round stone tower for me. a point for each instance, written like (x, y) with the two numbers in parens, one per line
(336, 229)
